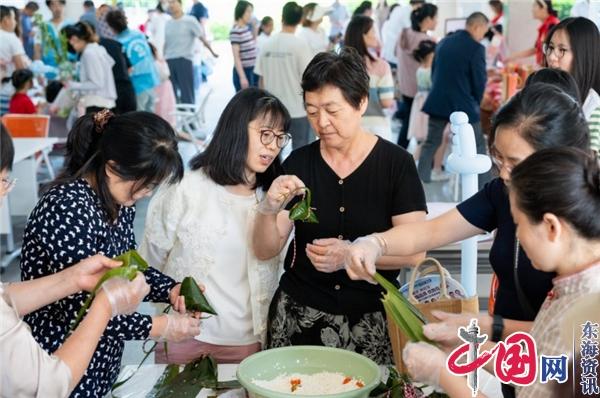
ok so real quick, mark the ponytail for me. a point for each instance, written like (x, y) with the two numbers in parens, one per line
(418, 15)
(137, 146)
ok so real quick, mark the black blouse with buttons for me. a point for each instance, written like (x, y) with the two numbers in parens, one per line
(386, 184)
(67, 225)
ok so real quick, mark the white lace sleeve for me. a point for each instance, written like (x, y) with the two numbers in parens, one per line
(164, 214)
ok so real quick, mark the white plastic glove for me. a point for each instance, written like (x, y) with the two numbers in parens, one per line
(445, 332)
(125, 296)
(361, 257)
(328, 255)
(424, 362)
(282, 191)
(180, 327)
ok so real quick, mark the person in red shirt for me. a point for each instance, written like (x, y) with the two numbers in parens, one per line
(544, 12)
(20, 102)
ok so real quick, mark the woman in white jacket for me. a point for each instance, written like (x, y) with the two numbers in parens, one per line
(203, 228)
(96, 85)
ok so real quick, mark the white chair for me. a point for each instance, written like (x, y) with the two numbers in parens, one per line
(191, 117)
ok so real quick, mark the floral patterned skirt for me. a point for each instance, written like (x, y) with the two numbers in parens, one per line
(291, 323)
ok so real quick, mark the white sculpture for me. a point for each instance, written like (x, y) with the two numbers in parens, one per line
(468, 164)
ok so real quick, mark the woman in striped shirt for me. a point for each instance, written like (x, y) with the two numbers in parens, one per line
(243, 44)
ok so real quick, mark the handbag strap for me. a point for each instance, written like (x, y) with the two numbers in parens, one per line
(440, 270)
(525, 304)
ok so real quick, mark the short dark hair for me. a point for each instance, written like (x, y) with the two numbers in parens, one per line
(49, 2)
(20, 77)
(424, 48)
(418, 15)
(52, 89)
(561, 181)
(88, 4)
(141, 145)
(497, 6)
(358, 26)
(584, 40)
(5, 12)
(224, 160)
(346, 71)
(545, 117)
(7, 149)
(117, 20)
(477, 18)
(556, 77)
(416, 2)
(32, 5)
(291, 14)
(240, 9)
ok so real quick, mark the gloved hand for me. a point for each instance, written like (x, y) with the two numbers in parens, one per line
(424, 362)
(361, 257)
(180, 327)
(125, 296)
(282, 191)
(445, 332)
(328, 255)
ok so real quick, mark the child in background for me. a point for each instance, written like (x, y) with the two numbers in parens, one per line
(264, 31)
(417, 127)
(22, 80)
(165, 104)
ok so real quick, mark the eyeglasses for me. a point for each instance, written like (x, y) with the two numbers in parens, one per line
(500, 164)
(267, 136)
(8, 184)
(559, 52)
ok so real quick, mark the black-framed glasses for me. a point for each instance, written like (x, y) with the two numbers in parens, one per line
(558, 51)
(267, 136)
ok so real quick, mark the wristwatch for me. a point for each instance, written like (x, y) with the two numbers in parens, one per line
(497, 328)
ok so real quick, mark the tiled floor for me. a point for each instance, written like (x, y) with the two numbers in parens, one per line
(220, 81)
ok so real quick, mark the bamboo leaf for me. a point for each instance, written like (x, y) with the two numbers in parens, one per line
(302, 211)
(194, 298)
(132, 263)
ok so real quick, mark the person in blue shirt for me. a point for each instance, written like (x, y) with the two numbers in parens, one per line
(27, 27)
(144, 75)
(458, 81)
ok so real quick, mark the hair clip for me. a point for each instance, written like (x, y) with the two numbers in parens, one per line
(101, 119)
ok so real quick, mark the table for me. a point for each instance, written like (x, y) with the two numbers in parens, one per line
(145, 378)
(23, 198)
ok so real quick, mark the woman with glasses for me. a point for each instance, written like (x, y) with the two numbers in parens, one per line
(538, 117)
(360, 184)
(202, 227)
(572, 46)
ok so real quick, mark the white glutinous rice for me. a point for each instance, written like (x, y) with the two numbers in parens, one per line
(322, 383)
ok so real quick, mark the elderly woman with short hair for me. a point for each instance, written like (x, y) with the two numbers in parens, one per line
(360, 184)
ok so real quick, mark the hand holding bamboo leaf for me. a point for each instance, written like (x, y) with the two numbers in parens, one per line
(282, 191)
(132, 264)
